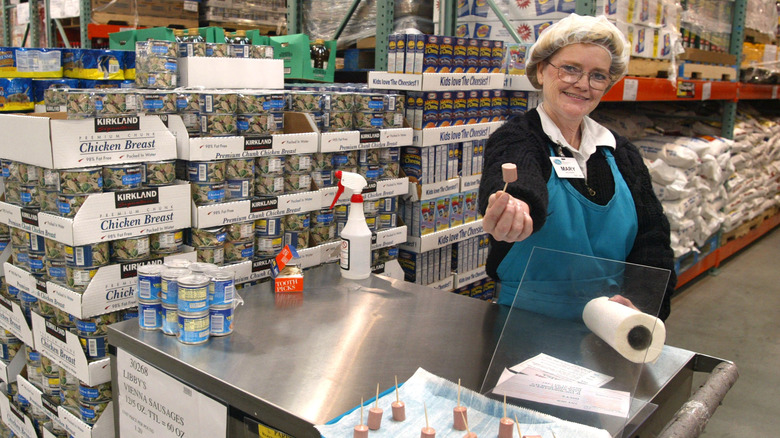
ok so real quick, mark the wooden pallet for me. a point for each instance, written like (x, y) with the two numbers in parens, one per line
(649, 68)
(748, 226)
(263, 28)
(692, 70)
(143, 21)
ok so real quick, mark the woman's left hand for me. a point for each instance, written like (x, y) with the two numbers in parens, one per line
(624, 301)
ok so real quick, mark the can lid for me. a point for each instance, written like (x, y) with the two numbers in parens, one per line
(150, 269)
(201, 267)
(177, 263)
(175, 272)
(220, 275)
(193, 280)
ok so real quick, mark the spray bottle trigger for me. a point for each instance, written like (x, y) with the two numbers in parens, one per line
(339, 191)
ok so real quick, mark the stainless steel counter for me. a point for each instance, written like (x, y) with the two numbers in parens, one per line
(298, 360)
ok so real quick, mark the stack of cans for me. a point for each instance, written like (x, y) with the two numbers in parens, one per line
(297, 230)
(297, 173)
(269, 175)
(261, 113)
(207, 179)
(82, 263)
(239, 243)
(240, 174)
(218, 113)
(209, 243)
(156, 65)
(269, 234)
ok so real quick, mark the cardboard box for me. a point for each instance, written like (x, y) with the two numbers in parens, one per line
(195, 71)
(109, 216)
(50, 140)
(294, 51)
(12, 319)
(17, 421)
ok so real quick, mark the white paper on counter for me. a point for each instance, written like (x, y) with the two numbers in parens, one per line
(570, 395)
(549, 367)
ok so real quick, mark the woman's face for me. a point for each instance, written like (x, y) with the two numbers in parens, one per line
(572, 102)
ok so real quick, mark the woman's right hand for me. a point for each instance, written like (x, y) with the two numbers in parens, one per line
(507, 219)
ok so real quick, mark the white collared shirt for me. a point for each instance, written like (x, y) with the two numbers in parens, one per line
(593, 134)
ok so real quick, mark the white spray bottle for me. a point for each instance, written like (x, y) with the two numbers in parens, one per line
(355, 257)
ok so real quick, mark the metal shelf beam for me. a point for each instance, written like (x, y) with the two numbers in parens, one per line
(6, 16)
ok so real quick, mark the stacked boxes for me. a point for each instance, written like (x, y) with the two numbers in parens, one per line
(416, 54)
(470, 254)
(433, 109)
(431, 164)
(428, 267)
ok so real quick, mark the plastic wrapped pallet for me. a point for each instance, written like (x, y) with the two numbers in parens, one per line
(762, 16)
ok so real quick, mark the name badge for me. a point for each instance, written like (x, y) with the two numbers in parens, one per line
(566, 167)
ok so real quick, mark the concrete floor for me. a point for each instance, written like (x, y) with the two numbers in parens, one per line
(735, 315)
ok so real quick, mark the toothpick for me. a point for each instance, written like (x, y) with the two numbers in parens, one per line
(505, 184)
(361, 411)
(426, 415)
(553, 434)
(396, 390)
(458, 392)
(504, 405)
(468, 431)
(517, 423)
(376, 402)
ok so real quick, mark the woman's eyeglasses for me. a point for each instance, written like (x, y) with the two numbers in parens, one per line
(571, 74)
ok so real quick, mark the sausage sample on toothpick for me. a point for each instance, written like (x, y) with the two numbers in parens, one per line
(399, 409)
(427, 431)
(509, 172)
(375, 413)
(506, 425)
(361, 430)
(459, 414)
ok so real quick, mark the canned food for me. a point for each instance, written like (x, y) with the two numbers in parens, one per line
(19, 237)
(47, 199)
(23, 173)
(115, 103)
(389, 155)
(150, 315)
(297, 239)
(78, 278)
(216, 50)
(90, 412)
(269, 184)
(63, 319)
(191, 121)
(95, 254)
(68, 205)
(297, 222)
(240, 231)
(322, 178)
(36, 244)
(259, 124)
(269, 227)
(96, 325)
(322, 161)
(156, 64)
(240, 168)
(390, 170)
(298, 163)
(262, 52)
(239, 251)
(222, 288)
(218, 103)
(214, 236)
(297, 182)
(160, 80)
(193, 293)
(257, 103)
(151, 102)
(170, 320)
(372, 102)
(122, 176)
(208, 193)
(155, 48)
(159, 173)
(371, 207)
(307, 101)
(193, 327)
(192, 48)
(344, 161)
(166, 242)
(45, 309)
(270, 164)
(221, 320)
(51, 385)
(268, 246)
(338, 122)
(188, 102)
(322, 234)
(49, 179)
(368, 121)
(129, 313)
(340, 102)
(238, 189)
(371, 172)
(371, 222)
(394, 120)
(239, 50)
(169, 287)
(81, 103)
(130, 249)
(94, 394)
(13, 193)
(54, 250)
(28, 196)
(9, 348)
(386, 220)
(80, 181)
(206, 171)
(368, 157)
(211, 254)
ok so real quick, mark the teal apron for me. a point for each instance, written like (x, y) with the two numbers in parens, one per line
(558, 284)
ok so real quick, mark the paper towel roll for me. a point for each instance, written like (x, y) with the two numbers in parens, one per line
(637, 336)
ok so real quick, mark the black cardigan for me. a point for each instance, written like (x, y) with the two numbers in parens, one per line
(522, 141)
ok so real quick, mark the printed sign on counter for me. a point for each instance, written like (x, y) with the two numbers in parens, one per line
(454, 134)
(153, 404)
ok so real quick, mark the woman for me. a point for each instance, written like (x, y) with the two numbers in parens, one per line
(609, 211)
